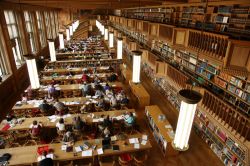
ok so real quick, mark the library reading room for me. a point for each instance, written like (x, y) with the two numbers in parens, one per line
(124, 82)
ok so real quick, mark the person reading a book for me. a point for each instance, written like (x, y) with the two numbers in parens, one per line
(45, 107)
(78, 123)
(60, 125)
(36, 129)
(68, 138)
(130, 119)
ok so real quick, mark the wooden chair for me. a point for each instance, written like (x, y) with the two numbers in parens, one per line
(125, 160)
(106, 161)
(140, 158)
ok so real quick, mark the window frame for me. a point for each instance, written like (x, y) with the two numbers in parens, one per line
(41, 29)
(17, 45)
(30, 30)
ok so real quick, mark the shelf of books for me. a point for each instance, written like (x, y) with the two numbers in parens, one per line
(230, 18)
(161, 129)
(229, 149)
(206, 73)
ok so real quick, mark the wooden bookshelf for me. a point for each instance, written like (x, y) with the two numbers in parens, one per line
(161, 129)
(140, 92)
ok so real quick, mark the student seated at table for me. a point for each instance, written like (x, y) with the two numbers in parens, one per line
(106, 87)
(51, 91)
(106, 132)
(45, 107)
(53, 81)
(68, 138)
(36, 129)
(100, 102)
(85, 77)
(24, 98)
(45, 161)
(106, 123)
(60, 125)
(78, 123)
(112, 77)
(98, 92)
(113, 102)
(60, 106)
(129, 119)
(86, 89)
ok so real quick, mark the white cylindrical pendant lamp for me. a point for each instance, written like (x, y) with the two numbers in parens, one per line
(111, 39)
(102, 29)
(70, 30)
(67, 34)
(106, 34)
(136, 66)
(61, 41)
(52, 50)
(189, 100)
(32, 70)
(119, 48)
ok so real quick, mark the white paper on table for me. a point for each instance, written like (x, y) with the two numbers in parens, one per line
(99, 151)
(137, 146)
(64, 147)
(133, 140)
(94, 97)
(87, 102)
(78, 149)
(88, 96)
(58, 88)
(143, 142)
(145, 137)
(119, 117)
(87, 153)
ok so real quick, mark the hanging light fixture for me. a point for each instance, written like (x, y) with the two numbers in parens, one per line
(67, 34)
(111, 39)
(32, 70)
(106, 33)
(61, 40)
(189, 99)
(70, 30)
(136, 66)
(119, 48)
(52, 50)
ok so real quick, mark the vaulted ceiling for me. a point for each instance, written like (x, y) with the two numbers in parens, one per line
(93, 4)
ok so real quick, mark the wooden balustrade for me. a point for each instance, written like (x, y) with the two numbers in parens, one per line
(177, 76)
(232, 119)
(208, 43)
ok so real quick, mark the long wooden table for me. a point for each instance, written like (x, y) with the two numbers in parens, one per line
(140, 92)
(74, 77)
(74, 70)
(46, 121)
(28, 155)
(33, 104)
(73, 87)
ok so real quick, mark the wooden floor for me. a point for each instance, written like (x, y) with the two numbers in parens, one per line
(198, 154)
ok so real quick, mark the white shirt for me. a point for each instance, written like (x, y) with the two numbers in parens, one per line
(60, 126)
